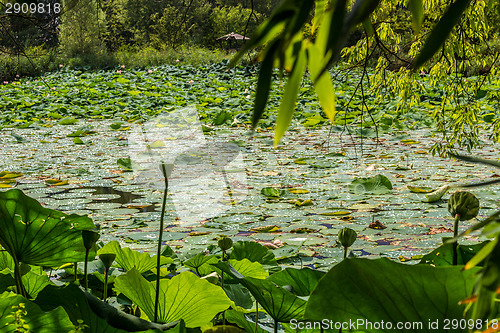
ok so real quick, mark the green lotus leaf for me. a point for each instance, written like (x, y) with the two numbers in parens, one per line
(378, 184)
(199, 260)
(40, 236)
(443, 255)
(382, 290)
(128, 259)
(249, 269)
(35, 320)
(270, 192)
(34, 283)
(80, 310)
(254, 251)
(238, 318)
(278, 302)
(6, 261)
(239, 295)
(437, 194)
(68, 121)
(185, 296)
(302, 280)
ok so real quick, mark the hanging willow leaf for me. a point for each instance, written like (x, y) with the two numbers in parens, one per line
(441, 31)
(322, 83)
(417, 14)
(40, 236)
(264, 83)
(287, 106)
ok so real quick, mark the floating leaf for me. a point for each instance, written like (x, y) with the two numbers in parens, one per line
(68, 121)
(419, 189)
(56, 182)
(157, 144)
(298, 191)
(19, 138)
(437, 194)
(78, 141)
(266, 228)
(378, 184)
(377, 225)
(270, 192)
(4, 175)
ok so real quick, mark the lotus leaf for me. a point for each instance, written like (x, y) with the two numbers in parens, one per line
(378, 184)
(40, 236)
(55, 321)
(128, 259)
(380, 289)
(185, 296)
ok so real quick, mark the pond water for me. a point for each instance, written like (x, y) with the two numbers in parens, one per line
(215, 183)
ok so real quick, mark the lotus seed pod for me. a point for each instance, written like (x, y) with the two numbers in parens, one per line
(347, 237)
(225, 243)
(107, 259)
(89, 238)
(465, 204)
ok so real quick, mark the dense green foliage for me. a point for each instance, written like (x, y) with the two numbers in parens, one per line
(236, 281)
(466, 36)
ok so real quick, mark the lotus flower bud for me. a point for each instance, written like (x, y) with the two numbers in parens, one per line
(465, 204)
(347, 237)
(107, 259)
(89, 238)
(225, 243)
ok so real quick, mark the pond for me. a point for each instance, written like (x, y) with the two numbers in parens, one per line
(216, 179)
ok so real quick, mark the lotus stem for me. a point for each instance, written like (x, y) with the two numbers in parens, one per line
(75, 270)
(85, 271)
(256, 315)
(276, 323)
(18, 277)
(455, 244)
(105, 295)
(158, 252)
(345, 251)
(222, 285)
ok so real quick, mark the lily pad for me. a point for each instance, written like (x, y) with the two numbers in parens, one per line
(378, 184)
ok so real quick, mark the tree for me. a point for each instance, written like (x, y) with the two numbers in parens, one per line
(81, 28)
(470, 30)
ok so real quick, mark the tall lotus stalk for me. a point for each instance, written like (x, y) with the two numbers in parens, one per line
(462, 206)
(347, 237)
(18, 277)
(89, 239)
(107, 259)
(225, 243)
(160, 236)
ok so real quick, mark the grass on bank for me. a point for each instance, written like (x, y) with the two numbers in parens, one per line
(37, 61)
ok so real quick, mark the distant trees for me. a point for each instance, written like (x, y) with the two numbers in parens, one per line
(81, 28)
(93, 26)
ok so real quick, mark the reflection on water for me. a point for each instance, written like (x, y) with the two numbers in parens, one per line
(124, 197)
